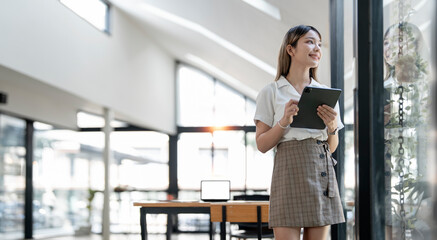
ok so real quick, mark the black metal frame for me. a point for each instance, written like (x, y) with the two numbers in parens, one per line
(171, 211)
(370, 122)
(338, 231)
(28, 194)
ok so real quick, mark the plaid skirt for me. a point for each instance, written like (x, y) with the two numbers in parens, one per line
(304, 190)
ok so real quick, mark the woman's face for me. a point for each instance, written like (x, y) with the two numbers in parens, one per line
(308, 50)
(391, 46)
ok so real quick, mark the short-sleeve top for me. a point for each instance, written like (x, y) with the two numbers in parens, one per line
(270, 104)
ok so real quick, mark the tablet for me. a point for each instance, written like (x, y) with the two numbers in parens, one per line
(311, 98)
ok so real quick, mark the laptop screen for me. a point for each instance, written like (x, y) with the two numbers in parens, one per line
(215, 190)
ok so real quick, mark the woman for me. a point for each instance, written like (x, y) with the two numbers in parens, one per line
(304, 191)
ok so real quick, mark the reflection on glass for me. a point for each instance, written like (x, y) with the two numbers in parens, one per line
(12, 177)
(406, 118)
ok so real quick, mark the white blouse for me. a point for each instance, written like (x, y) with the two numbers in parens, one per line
(270, 105)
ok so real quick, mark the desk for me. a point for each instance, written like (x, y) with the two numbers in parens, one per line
(170, 207)
(240, 211)
(233, 211)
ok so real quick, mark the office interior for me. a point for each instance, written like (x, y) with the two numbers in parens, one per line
(108, 102)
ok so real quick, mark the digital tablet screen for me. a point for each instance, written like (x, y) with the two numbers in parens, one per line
(311, 98)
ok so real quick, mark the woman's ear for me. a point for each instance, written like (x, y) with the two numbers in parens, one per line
(290, 50)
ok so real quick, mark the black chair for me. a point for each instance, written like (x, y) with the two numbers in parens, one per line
(250, 230)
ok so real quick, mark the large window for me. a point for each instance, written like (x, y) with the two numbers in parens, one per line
(12, 177)
(407, 104)
(75, 161)
(219, 153)
(205, 101)
(73, 203)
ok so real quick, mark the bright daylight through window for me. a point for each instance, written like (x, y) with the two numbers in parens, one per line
(94, 11)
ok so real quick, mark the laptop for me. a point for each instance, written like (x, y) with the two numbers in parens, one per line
(215, 190)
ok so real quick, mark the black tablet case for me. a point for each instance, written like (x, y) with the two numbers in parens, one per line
(311, 98)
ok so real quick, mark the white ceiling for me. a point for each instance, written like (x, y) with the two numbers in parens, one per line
(239, 44)
(229, 39)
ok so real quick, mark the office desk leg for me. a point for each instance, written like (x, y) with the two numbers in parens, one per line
(143, 224)
(223, 224)
(258, 215)
(170, 218)
(210, 228)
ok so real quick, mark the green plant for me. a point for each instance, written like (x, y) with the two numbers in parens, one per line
(91, 195)
(409, 116)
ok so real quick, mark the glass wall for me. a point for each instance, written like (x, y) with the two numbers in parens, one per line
(68, 178)
(227, 150)
(223, 155)
(220, 153)
(215, 104)
(73, 203)
(140, 173)
(407, 104)
(12, 177)
(67, 169)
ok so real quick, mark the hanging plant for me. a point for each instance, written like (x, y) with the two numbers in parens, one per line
(406, 70)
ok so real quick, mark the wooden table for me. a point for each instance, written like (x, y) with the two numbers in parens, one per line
(240, 211)
(170, 207)
(233, 211)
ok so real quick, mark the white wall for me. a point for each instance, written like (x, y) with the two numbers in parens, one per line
(125, 71)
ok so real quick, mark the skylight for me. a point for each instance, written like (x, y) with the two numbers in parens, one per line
(265, 7)
(93, 11)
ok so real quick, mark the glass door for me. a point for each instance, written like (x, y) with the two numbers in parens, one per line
(408, 156)
(12, 177)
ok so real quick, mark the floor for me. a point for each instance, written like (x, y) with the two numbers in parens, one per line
(185, 236)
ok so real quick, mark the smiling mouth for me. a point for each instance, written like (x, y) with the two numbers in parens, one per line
(315, 57)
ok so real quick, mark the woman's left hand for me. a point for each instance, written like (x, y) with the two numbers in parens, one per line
(328, 115)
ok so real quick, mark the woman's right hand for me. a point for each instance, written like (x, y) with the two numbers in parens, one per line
(291, 109)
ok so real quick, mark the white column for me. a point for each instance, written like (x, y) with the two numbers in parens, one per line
(107, 160)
